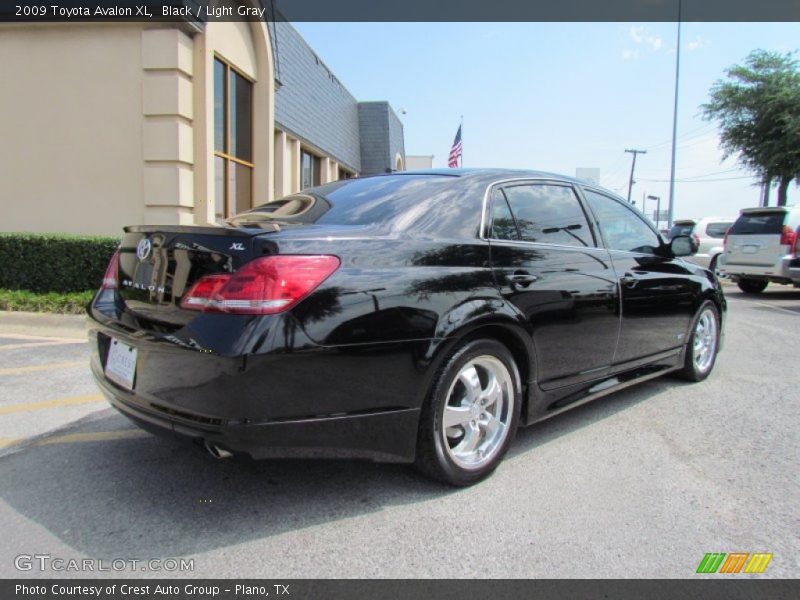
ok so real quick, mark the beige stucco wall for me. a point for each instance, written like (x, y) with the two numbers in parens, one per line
(104, 125)
(70, 128)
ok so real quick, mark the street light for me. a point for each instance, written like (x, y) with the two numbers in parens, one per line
(658, 209)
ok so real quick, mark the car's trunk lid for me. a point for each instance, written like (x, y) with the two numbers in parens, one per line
(158, 265)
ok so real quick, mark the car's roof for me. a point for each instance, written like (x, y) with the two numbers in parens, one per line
(490, 174)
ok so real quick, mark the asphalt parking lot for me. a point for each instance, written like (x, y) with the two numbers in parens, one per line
(639, 484)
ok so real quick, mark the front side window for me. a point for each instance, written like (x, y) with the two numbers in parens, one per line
(622, 228)
(548, 213)
(233, 140)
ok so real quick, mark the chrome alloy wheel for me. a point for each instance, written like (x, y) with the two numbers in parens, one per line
(478, 412)
(705, 341)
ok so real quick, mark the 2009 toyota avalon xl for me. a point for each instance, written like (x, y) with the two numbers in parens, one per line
(409, 317)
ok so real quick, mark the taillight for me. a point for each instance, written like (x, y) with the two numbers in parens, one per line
(788, 237)
(795, 242)
(263, 286)
(110, 280)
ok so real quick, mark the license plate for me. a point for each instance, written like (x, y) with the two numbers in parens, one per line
(749, 249)
(121, 364)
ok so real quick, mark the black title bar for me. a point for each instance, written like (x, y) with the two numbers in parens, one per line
(407, 10)
(702, 588)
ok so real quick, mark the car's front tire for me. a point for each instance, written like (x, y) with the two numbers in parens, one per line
(703, 344)
(471, 414)
(752, 286)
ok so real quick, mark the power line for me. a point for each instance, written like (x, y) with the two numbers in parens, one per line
(696, 180)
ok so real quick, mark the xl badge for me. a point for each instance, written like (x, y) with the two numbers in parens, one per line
(143, 249)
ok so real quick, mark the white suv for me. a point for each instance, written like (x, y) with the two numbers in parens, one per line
(762, 247)
(708, 233)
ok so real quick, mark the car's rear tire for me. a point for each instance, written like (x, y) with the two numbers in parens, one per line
(752, 286)
(703, 344)
(470, 415)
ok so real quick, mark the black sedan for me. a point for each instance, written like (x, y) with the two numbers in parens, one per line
(410, 317)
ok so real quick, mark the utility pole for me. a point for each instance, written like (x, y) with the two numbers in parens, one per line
(633, 166)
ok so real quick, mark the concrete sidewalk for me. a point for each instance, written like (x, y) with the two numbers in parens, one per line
(43, 324)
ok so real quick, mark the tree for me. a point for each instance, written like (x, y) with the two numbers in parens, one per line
(758, 111)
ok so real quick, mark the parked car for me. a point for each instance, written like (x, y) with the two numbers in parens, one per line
(708, 234)
(762, 247)
(410, 317)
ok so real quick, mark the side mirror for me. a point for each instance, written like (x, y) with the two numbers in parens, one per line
(682, 245)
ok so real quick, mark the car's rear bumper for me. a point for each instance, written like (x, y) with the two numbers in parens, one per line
(387, 436)
(289, 406)
(785, 270)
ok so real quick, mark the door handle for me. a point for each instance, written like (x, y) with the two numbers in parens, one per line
(522, 279)
(629, 280)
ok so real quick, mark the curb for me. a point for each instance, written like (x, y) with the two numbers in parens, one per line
(43, 324)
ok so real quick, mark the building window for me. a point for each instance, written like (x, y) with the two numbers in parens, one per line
(344, 174)
(233, 140)
(309, 170)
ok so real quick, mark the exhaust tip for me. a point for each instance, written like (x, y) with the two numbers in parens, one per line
(216, 451)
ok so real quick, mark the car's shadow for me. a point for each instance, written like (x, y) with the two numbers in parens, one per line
(153, 498)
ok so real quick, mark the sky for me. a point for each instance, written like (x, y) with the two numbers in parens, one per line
(558, 96)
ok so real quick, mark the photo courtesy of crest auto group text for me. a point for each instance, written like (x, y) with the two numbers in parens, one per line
(335, 301)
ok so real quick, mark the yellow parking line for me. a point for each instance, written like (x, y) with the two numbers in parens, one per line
(41, 338)
(39, 344)
(95, 436)
(58, 402)
(44, 367)
(77, 438)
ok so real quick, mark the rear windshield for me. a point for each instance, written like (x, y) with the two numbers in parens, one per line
(684, 228)
(758, 223)
(718, 229)
(348, 202)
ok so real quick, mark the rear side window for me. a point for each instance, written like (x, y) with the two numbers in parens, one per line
(718, 229)
(622, 228)
(681, 229)
(503, 225)
(549, 214)
(758, 224)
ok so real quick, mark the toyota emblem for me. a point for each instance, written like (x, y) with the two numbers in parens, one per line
(143, 249)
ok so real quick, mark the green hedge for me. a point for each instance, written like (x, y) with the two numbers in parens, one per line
(53, 262)
(73, 303)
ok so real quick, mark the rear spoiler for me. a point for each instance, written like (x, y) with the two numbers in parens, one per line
(764, 209)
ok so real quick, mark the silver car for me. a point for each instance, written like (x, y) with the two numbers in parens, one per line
(708, 233)
(762, 247)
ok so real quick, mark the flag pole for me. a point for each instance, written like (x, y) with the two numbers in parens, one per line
(461, 127)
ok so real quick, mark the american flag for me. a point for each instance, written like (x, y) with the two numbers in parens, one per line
(455, 151)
